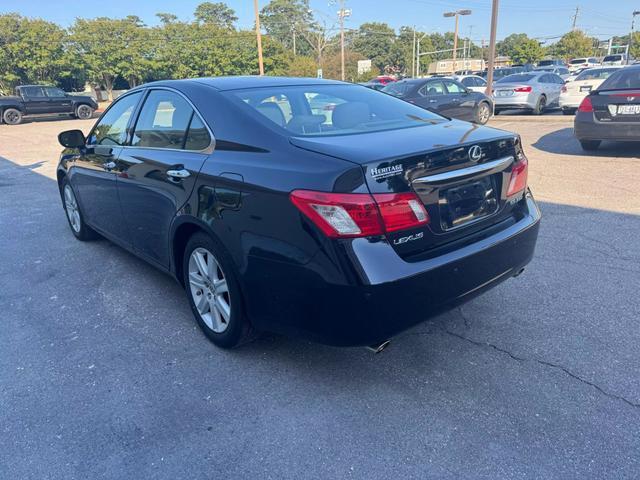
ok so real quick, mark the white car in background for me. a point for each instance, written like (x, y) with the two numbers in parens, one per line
(472, 82)
(578, 63)
(574, 92)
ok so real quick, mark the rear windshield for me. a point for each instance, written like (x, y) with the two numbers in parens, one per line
(323, 110)
(578, 61)
(622, 79)
(517, 78)
(598, 74)
(612, 58)
(397, 89)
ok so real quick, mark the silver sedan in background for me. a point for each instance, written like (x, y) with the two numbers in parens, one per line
(532, 91)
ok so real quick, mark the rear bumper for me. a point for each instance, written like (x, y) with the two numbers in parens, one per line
(378, 294)
(516, 102)
(570, 101)
(586, 127)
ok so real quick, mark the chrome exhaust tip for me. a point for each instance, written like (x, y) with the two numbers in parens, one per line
(378, 347)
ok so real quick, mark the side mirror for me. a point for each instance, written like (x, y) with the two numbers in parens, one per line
(72, 139)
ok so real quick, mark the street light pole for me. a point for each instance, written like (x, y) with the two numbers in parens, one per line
(456, 14)
(342, 14)
(259, 37)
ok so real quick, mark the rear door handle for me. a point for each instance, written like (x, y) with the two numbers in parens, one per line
(177, 174)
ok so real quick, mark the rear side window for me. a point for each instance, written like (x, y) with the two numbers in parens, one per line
(112, 127)
(623, 78)
(433, 88)
(198, 137)
(33, 92)
(454, 87)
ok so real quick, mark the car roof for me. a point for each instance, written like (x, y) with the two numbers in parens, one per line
(249, 81)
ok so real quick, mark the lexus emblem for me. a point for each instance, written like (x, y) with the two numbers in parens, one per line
(475, 153)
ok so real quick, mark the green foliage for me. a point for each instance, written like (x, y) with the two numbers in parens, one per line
(507, 46)
(376, 42)
(217, 14)
(573, 44)
(527, 51)
(285, 19)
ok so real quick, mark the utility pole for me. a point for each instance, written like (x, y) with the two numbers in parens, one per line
(342, 14)
(456, 14)
(492, 46)
(575, 18)
(293, 32)
(633, 26)
(259, 37)
(413, 66)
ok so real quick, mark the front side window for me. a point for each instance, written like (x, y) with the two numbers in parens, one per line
(163, 121)
(112, 127)
(323, 110)
(453, 87)
(54, 92)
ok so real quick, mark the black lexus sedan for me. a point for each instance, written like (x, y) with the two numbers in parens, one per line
(612, 111)
(306, 207)
(445, 96)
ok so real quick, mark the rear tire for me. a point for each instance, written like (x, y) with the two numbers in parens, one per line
(74, 216)
(590, 145)
(12, 116)
(214, 293)
(540, 106)
(483, 113)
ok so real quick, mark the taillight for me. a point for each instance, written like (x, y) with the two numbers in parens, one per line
(518, 181)
(586, 105)
(342, 215)
(522, 89)
(400, 211)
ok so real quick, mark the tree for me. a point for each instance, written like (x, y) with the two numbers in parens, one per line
(166, 18)
(507, 47)
(573, 44)
(375, 42)
(285, 20)
(218, 14)
(527, 51)
(111, 47)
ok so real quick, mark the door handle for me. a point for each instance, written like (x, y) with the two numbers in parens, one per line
(432, 101)
(178, 174)
(109, 165)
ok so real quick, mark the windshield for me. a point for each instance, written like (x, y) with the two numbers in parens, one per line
(517, 78)
(599, 74)
(625, 78)
(578, 61)
(612, 58)
(397, 89)
(323, 110)
(545, 63)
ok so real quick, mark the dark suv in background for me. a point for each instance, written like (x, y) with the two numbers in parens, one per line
(43, 100)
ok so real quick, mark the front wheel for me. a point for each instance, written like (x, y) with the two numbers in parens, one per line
(483, 113)
(12, 116)
(214, 292)
(590, 145)
(84, 111)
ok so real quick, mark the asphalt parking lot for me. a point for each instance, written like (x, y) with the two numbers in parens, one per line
(105, 374)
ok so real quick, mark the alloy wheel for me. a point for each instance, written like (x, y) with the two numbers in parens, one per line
(484, 113)
(209, 289)
(71, 206)
(84, 112)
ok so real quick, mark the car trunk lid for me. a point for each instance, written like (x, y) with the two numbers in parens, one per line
(461, 176)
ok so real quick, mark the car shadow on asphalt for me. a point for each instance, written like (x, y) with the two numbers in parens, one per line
(563, 142)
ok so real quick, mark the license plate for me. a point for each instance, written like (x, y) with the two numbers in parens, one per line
(468, 202)
(628, 109)
(585, 89)
(504, 93)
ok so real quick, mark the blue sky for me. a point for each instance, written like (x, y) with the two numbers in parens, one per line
(538, 18)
